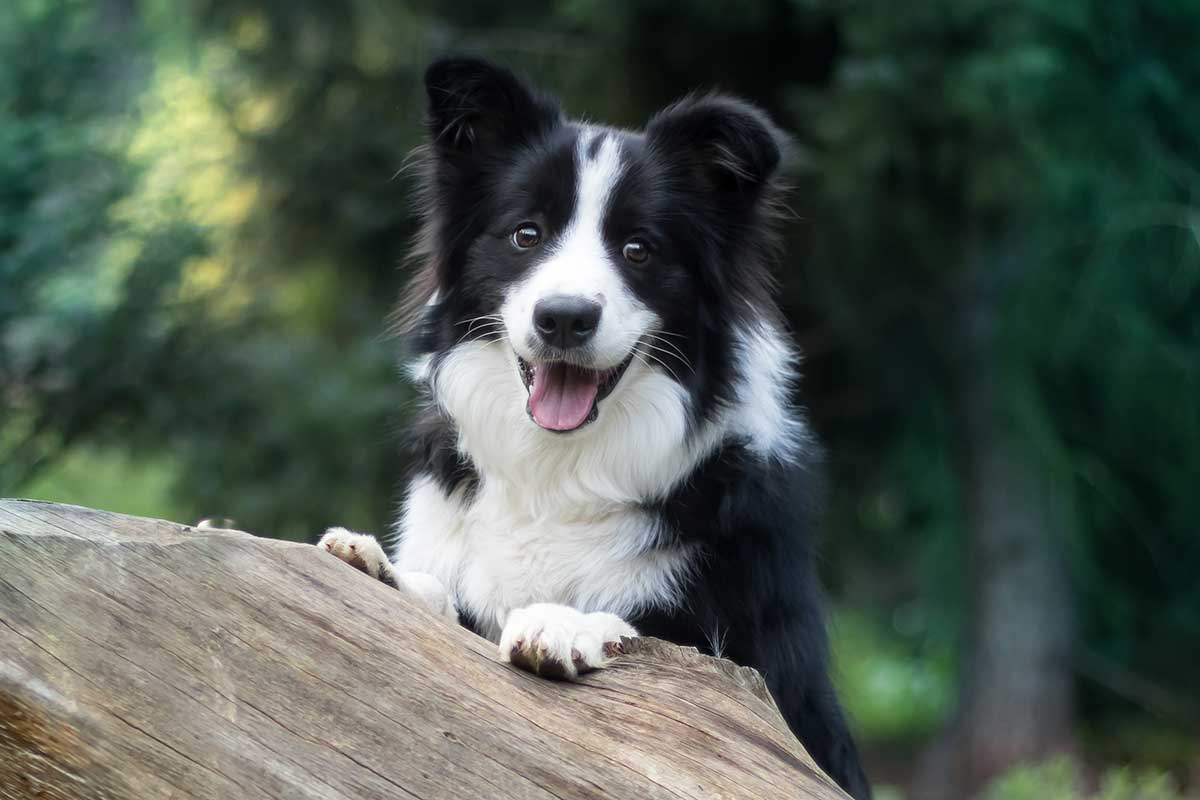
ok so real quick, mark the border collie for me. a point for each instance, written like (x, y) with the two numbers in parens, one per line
(608, 445)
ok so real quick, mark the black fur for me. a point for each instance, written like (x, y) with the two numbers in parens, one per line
(756, 596)
(432, 450)
(702, 188)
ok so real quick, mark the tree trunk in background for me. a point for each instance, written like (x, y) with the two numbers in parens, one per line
(1015, 701)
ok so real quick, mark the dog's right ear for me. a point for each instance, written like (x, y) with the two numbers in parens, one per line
(474, 106)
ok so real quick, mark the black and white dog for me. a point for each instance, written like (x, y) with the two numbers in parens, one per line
(609, 445)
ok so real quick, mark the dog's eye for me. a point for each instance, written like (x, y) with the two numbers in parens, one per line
(526, 236)
(636, 251)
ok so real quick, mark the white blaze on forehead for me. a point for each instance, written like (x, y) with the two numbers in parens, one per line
(597, 176)
(578, 263)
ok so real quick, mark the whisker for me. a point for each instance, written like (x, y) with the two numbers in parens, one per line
(660, 362)
(663, 364)
(656, 336)
(661, 334)
(640, 358)
(675, 356)
(477, 336)
(481, 316)
(478, 324)
(674, 347)
(483, 329)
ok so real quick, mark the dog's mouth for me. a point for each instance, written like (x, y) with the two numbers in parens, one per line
(564, 397)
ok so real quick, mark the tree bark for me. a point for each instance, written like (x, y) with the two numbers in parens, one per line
(144, 659)
(1015, 699)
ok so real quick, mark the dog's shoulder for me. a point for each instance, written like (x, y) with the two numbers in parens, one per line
(751, 520)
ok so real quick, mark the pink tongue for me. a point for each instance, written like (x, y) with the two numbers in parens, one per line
(562, 396)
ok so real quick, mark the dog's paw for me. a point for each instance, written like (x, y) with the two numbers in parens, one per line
(431, 591)
(556, 641)
(359, 551)
(364, 553)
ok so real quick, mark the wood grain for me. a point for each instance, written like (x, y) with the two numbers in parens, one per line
(144, 659)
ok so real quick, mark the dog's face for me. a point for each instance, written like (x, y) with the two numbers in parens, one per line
(592, 257)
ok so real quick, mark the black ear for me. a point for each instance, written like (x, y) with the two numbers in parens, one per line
(728, 145)
(474, 105)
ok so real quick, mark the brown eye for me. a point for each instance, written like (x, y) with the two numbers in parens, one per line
(635, 251)
(526, 236)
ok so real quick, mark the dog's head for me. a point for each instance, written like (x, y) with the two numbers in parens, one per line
(589, 258)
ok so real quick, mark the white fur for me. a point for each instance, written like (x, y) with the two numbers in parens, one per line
(418, 369)
(555, 517)
(496, 556)
(575, 642)
(430, 591)
(580, 265)
(763, 415)
(716, 640)
(359, 549)
(636, 449)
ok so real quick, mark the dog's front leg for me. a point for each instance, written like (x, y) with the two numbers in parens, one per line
(364, 553)
(556, 641)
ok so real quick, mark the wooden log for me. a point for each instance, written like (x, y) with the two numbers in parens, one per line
(144, 659)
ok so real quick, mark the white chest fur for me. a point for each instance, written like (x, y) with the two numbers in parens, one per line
(557, 519)
(497, 557)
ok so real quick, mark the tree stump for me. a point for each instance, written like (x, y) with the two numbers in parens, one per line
(144, 659)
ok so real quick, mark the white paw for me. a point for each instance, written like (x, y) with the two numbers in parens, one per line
(431, 592)
(556, 641)
(364, 553)
(359, 551)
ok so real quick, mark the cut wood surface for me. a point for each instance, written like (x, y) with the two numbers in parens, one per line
(145, 659)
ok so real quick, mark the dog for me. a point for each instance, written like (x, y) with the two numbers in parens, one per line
(608, 445)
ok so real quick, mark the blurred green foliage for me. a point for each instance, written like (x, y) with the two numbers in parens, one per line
(894, 688)
(143, 308)
(204, 216)
(1059, 779)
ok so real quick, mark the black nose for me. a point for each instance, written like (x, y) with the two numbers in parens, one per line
(566, 321)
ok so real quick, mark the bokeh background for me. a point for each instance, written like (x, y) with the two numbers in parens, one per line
(994, 274)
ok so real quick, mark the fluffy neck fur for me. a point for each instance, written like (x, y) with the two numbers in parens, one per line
(641, 446)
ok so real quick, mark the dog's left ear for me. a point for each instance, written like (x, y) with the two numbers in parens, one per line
(474, 106)
(729, 147)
